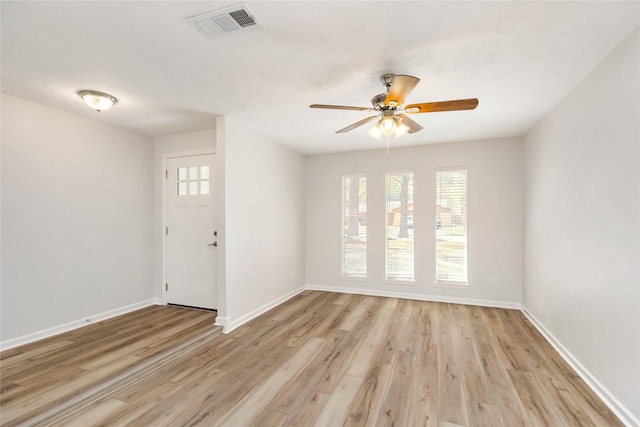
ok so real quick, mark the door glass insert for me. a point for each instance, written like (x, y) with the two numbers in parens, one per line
(193, 180)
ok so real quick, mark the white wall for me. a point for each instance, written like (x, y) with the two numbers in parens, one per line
(263, 238)
(581, 227)
(68, 181)
(220, 186)
(494, 219)
(194, 143)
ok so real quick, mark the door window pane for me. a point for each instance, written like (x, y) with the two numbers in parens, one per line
(193, 172)
(204, 172)
(182, 189)
(182, 174)
(193, 187)
(204, 187)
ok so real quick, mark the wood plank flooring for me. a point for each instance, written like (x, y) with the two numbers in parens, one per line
(39, 376)
(325, 359)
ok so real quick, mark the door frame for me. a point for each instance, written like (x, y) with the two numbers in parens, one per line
(165, 157)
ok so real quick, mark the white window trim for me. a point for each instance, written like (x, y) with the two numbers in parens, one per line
(452, 285)
(343, 275)
(400, 281)
(458, 285)
(353, 278)
(386, 279)
(452, 168)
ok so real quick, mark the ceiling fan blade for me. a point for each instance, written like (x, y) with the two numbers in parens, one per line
(400, 88)
(413, 126)
(432, 107)
(341, 107)
(357, 124)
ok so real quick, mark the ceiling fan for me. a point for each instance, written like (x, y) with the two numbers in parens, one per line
(391, 118)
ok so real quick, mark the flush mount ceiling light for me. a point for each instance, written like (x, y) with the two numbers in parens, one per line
(97, 100)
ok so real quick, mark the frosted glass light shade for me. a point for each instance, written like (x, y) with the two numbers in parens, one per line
(375, 132)
(97, 100)
(388, 126)
(401, 130)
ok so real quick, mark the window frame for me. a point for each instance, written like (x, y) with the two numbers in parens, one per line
(343, 274)
(450, 283)
(387, 278)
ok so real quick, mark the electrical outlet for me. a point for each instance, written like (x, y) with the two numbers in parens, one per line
(293, 274)
(494, 281)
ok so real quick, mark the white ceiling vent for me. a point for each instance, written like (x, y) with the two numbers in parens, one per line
(223, 21)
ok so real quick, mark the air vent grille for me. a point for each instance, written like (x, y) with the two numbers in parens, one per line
(242, 18)
(223, 21)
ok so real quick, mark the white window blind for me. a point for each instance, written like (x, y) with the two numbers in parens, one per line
(451, 226)
(399, 220)
(354, 225)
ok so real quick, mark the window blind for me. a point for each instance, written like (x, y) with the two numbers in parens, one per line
(451, 226)
(354, 225)
(399, 218)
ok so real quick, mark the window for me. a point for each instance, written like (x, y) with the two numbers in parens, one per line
(399, 218)
(451, 227)
(190, 184)
(354, 225)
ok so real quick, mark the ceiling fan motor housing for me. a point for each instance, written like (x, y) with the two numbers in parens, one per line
(378, 101)
(387, 80)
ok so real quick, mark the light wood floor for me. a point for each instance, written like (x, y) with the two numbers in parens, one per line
(325, 359)
(37, 377)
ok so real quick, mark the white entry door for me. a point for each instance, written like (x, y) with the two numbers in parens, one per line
(191, 236)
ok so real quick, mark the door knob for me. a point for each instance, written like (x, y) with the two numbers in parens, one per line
(213, 244)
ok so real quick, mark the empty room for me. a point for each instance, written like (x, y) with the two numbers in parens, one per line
(319, 213)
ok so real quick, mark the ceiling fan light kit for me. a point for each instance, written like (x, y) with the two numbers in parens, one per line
(387, 124)
(391, 120)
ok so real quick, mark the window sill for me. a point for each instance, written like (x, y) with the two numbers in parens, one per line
(400, 282)
(451, 285)
(354, 278)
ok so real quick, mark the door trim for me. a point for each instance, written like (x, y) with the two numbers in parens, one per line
(165, 157)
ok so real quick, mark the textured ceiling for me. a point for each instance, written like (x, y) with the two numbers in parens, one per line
(518, 58)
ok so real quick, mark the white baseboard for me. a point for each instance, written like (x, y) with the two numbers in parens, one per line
(49, 332)
(229, 325)
(598, 388)
(419, 297)
(224, 322)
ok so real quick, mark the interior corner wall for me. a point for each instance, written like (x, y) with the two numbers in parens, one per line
(581, 226)
(77, 218)
(494, 219)
(219, 177)
(192, 142)
(264, 222)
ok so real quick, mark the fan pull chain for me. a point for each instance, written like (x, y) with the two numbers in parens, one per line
(387, 147)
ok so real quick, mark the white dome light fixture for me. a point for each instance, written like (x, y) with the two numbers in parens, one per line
(99, 101)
